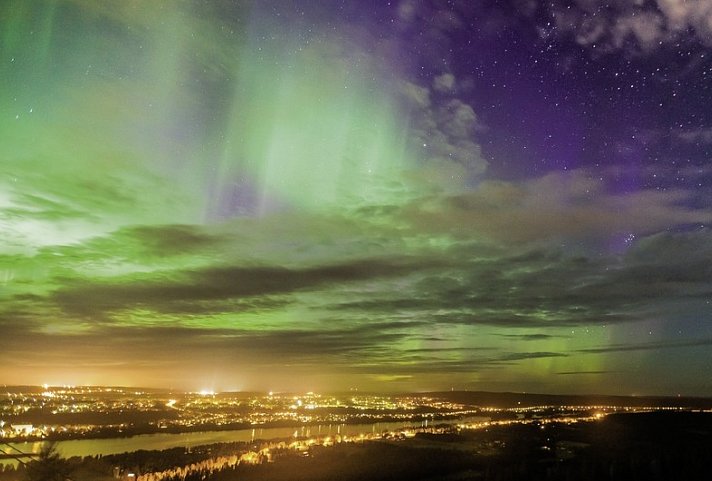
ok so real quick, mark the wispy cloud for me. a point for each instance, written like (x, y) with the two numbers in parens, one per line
(650, 346)
(638, 27)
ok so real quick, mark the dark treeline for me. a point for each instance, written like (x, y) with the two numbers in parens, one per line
(369, 461)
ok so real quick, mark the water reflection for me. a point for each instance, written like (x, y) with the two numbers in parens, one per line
(94, 447)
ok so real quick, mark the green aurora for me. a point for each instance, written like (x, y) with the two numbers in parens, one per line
(205, 198)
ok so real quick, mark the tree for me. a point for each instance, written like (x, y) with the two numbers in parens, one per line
(49, 466)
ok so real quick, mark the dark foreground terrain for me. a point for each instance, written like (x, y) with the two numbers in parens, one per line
(660, 446)
(642, 446)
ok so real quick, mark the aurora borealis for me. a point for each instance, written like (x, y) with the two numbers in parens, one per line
(316, 195)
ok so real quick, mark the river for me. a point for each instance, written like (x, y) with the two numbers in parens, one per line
(94, 447)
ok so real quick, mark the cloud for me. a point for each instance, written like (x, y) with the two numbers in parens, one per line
(500, 234)
(186, 291)
(520, 356)
(584, 373)
(650, 346)
(442, 134)
(655, 279)
(68, 203)
(645, 28)
(395, 317)
(154, 347)
(173, 239)
(634, 26)
(432, 24)
(530, 337)
(682, 14)
(568, 205)
(444, 83)
(696, 136)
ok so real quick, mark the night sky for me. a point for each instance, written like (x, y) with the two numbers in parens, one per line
(325, 195)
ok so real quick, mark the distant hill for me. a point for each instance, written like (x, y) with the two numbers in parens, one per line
(513, 399)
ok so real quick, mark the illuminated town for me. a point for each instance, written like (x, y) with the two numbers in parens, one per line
(238, 429)
(67, 412)
(53, 413)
